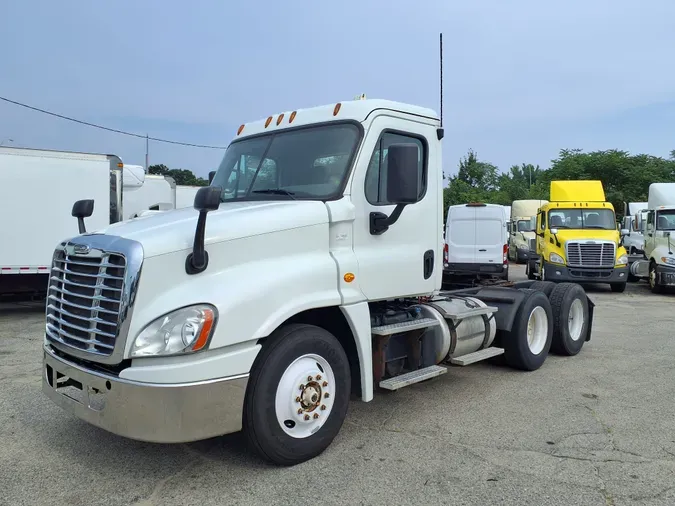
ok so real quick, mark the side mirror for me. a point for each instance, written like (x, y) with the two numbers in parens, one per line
(207, 199)
(402, 184)
(624, 232)
(554, 231)
(82, 209)
(212, 174)
(402, 176)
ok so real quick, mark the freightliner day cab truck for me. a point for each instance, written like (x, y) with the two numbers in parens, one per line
(634, 213)
(309, 270)
(577, 239)
(658, 262)
(522, 225)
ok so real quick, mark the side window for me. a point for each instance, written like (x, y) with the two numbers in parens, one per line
(542, 218)
(650, 219)
(376, 175)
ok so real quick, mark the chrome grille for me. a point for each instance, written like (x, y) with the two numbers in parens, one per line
(84, 300)
(90, 296)
(590, 254)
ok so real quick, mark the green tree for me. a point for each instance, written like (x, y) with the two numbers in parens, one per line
(180, 176)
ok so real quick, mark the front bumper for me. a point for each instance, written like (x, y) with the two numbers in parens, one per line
(665, 275)
(523, 254)
(555, 272)
(158, 413)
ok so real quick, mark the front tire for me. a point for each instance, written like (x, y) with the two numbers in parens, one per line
(529, 341)
(653, 283)
(618, 287)
(297, 396)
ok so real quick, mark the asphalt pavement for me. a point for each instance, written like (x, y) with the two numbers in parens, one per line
(595, 429)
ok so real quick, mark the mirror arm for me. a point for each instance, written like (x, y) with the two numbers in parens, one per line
(380, 222)
(198, 260)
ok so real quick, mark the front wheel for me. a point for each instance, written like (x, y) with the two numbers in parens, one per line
(653, 282)
(618, 287)
(298, 394)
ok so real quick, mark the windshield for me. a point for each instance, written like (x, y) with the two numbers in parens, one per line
(310, 163)
(525, 226)
(602, 219)
(666, 220)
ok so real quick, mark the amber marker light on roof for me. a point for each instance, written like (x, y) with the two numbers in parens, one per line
(292, 116)
(269, 120)
(120, 165)
(336, 109)
(241, 129)
(280, 119)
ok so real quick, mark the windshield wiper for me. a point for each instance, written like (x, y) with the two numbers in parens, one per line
(597, 226)
(275, 191)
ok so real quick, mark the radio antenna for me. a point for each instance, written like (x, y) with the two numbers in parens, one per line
(439, 131)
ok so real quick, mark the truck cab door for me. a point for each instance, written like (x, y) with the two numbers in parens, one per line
(407, 258)
(540, 232)
(650, 233)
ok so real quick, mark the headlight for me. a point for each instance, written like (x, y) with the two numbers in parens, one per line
(185, 330)
(556, 259)
(622, 260)
(668, 260)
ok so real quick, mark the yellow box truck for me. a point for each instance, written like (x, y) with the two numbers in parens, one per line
(577, 238)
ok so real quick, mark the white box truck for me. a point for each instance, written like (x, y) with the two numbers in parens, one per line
(157, 193)
(31, 227)
(277, 296)
(658, 262)
(521, 228)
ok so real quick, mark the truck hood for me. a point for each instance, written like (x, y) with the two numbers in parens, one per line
(171, 231)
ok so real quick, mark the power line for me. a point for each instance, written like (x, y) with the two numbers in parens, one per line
(114, 130)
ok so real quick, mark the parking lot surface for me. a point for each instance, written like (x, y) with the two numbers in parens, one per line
(595, 429)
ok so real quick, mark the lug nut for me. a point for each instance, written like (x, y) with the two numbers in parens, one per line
(323, 407)
(306, 417)
(309, 378)
(302, 387)
(318, 377)
(299, 411)
(316, 415)
(326, 395)
(298, 399)
(324, 384)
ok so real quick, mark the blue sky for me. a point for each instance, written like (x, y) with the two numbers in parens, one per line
(523, 78)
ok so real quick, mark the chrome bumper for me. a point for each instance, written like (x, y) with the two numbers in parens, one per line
(158, 413)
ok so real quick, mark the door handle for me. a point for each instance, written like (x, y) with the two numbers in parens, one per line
(482, 250)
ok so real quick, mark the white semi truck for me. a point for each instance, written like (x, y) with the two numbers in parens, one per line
(522, 225)
(30, 227)
(313, 274)
(657, 264)
(634, 213)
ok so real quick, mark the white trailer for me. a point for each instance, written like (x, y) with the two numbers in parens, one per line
(265, 309)
(37, 191)
(658, 262)
(185, 195)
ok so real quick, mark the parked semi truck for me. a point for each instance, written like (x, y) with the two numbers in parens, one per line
(286, 290)
(657, 264)
(634, 213)
(56, 179)
(521, 228)
(577, 239)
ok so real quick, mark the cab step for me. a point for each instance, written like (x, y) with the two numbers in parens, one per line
(477, 356)
(396, 328)
(412, 377)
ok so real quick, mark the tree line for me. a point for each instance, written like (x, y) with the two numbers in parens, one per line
(625, 177)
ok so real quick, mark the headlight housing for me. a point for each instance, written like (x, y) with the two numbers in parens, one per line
(556, 259)
(622, 260)
(668, 260)
(184, 330)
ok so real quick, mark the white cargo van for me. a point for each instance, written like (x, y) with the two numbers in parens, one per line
(475, 243)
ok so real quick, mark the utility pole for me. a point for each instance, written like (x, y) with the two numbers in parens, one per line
(146, 153)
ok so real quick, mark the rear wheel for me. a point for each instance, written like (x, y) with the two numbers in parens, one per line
(529, 341)
(298, 395)
(570, 318)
